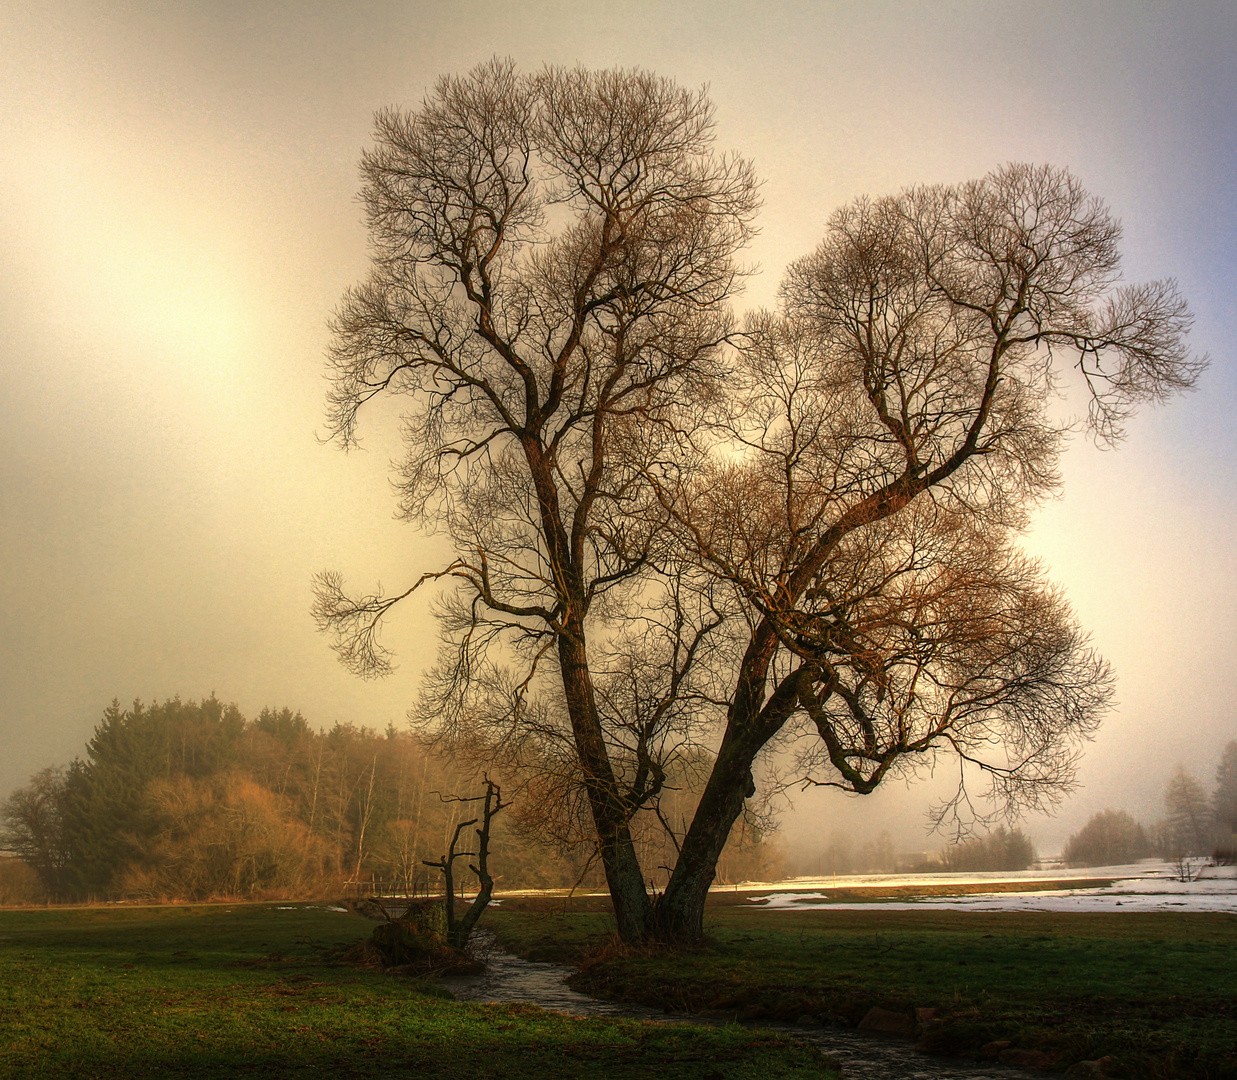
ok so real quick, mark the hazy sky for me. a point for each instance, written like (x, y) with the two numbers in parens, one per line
(177, 198)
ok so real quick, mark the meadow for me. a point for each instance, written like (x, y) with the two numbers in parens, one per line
(258, 990)
(262, 990)
(1155, 993)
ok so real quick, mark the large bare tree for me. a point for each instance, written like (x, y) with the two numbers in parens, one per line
(888, 432)
(800, 533)
(552, 265)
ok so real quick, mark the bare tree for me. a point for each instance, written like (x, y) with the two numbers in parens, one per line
(459, 929)
(887, 434)
(806, 541)
(34, 828)
(553, 257)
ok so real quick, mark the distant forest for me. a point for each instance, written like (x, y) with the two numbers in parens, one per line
(189, 800)
(192, 801)
(1195, 824)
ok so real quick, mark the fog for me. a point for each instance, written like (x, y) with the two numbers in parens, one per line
(177, 192)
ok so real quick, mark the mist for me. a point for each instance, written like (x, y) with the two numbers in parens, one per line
(179, 202)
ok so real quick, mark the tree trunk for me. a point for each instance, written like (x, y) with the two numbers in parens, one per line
(679, 915)
(485, 881)
(632, 907)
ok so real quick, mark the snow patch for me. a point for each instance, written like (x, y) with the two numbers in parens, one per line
(1149, 886)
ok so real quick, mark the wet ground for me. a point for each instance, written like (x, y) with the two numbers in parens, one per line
(862, 1057)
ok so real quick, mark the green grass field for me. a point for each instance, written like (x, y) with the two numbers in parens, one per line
(254, 991)
(1157, 992)
(257, 990)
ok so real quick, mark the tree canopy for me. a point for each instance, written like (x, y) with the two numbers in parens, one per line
(682, 539)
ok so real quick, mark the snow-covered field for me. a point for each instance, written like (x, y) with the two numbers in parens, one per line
(1146, 886)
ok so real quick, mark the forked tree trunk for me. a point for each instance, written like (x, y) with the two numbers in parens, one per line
(462, 929)
(632, 907)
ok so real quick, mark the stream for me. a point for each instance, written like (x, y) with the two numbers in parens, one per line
(863, 1057)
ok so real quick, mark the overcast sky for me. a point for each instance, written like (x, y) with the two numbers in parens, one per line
(177, 199)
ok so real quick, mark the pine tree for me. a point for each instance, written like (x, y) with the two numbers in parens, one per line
(1188, 815)
(1224, 798)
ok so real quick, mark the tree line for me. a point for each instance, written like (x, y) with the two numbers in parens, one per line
(191, 800)
(998, 849)
(1194, 823)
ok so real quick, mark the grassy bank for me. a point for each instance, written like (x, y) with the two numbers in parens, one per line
(1155, 992)
(255, 991)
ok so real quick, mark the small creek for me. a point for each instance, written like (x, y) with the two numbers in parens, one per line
(863, 1057)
